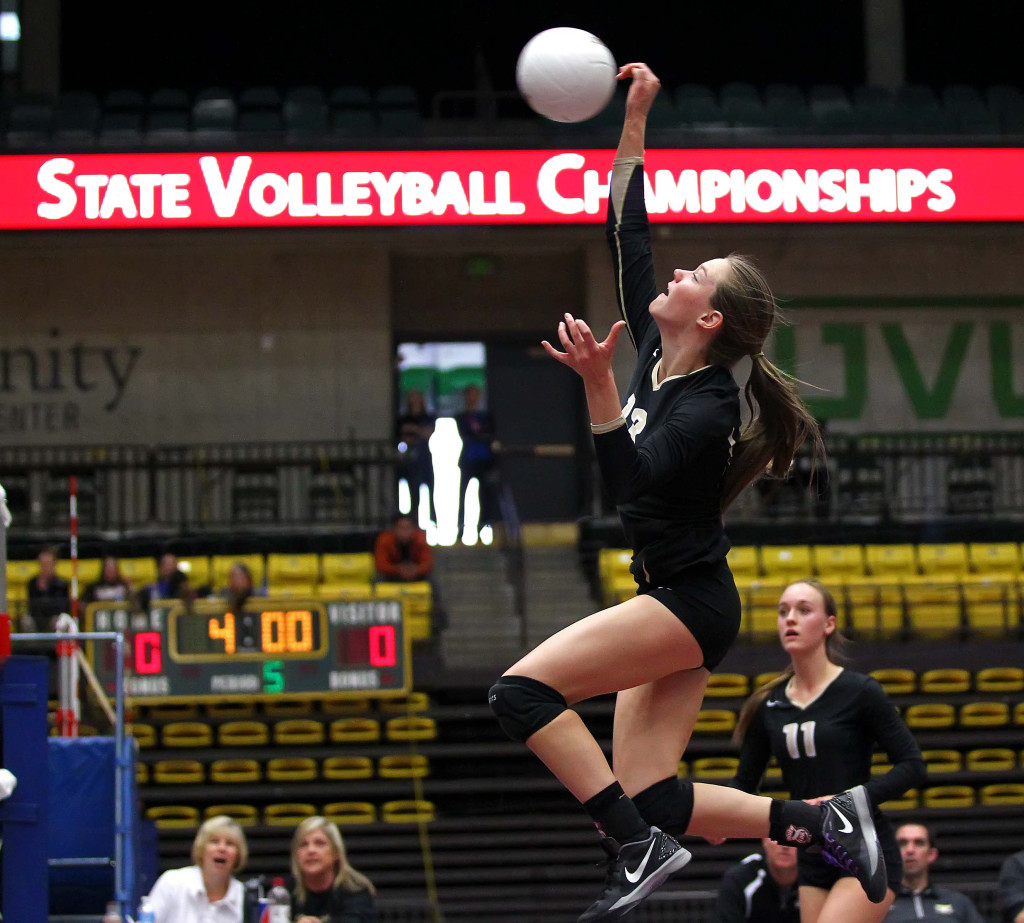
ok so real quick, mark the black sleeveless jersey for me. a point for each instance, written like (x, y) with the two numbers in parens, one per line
(664, 469)
(825, 747)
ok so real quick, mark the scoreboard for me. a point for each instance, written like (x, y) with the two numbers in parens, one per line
(299, 648)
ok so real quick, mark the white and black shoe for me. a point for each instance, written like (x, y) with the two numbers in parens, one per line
(635, 870)
(851, 843)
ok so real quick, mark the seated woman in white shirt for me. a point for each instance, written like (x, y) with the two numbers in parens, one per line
(206, 892)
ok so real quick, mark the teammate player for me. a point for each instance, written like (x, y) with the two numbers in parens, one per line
(822, 722)
(674, 458)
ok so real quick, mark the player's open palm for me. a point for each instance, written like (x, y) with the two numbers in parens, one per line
(583, 353)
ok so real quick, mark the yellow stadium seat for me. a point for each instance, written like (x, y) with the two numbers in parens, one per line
(197, 567)
(287, 708)
(347, 767)
(414, 727)
(948, 796)
(18, 575)
(413, 702)
(173, 712)
(237, 708)
(144, 734)
(984, 714)
(88, 571)
(880, 764)
(243, 734)
(773, 772)
(289, 814)
(991, 759)
(994, 557)
(298, 732)
(999, 679)
(931, 715)
(354, 706)
(785, 562)
(743, 562)
(873, 609)
(178, 772)
(173, 816)
(992, 603)
(407, 811)
(939, 761)
(139, 572)
(619, 589)
(834, 563)
(245, 815)
(682, 770)
(141, 773)
(291, 769)
(220, 564)
(292, 571)
(727, 685)
(891, 560)
(347, 568)
(934, 610)
(345, 589)
(762, 678)
(760, 602)
(945, 680)
(613, 562)
(187, 734)
(417, 602)
(943, 560)
(354, 730)
(235, 770)
(715, 767)
(1018, 713)
(715, 721)
(403, 766)
(350, 812)
(905, 802)
(1002, 793)
(896, 680)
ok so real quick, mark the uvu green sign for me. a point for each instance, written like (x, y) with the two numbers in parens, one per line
(905, 369)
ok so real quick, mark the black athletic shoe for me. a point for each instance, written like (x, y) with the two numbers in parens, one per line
(851, 843)
(634, 871)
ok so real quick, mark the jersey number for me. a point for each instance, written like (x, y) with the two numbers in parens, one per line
(637, 417)
(793, 734)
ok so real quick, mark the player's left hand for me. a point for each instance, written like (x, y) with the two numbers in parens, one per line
(583, 353)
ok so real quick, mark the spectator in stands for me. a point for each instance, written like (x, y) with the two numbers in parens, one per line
(206, 890)
(326, 888)
(415, 462)
(761, 888)
(48, 594)
(674, 460)
(918, 899)
(477, 458)
(241, 586)
(111, 586)
(401, 553)
(822, 721)
(171, 582)
(1011, 888)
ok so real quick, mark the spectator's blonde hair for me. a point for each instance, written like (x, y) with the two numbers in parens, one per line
(344, 875)
(221, 823)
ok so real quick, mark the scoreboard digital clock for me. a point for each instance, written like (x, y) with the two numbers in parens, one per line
(209, 653)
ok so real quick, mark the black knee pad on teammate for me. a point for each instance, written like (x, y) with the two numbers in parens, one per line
(523, 705)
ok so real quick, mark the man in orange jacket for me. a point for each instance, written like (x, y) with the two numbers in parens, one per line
(401, 553)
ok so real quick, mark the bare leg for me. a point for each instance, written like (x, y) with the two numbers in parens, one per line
(812, 900)
(847, 903)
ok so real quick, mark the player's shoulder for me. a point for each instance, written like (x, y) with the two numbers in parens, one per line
(747, 869)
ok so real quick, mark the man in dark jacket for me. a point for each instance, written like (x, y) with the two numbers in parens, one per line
(918, 898)
(761, 889)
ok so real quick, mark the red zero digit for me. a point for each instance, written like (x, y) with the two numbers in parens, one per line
(147, 653)
(382, 646)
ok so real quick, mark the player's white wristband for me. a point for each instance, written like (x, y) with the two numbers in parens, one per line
(598, 428)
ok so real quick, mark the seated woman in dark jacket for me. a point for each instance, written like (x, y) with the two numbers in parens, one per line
(327, 889)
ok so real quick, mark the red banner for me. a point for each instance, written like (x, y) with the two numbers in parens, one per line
(396, 188)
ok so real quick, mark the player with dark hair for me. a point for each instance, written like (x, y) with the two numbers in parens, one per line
(674, 458)
(822, 721)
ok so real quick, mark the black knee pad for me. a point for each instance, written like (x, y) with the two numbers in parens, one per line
(523, 705)
(667, 804)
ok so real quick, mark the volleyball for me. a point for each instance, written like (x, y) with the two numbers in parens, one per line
(566, 75)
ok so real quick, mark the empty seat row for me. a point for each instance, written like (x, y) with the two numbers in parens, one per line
(288, 732)
(959, 796)
(291, 814)
(283, 769)
(285, 707)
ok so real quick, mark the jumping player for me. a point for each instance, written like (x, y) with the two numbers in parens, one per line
(674, 459)
(821, 722)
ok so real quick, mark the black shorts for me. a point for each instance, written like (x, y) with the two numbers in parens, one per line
(817, 873)
(704, 598)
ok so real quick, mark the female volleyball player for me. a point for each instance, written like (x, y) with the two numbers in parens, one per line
(821, 722)
(674, 459)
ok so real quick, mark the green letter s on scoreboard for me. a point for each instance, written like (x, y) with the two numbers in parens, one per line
(273, 681)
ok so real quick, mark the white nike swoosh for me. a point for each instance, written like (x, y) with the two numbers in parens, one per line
(847, 826)
(771, 703)
(633, 877)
